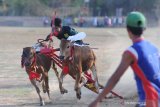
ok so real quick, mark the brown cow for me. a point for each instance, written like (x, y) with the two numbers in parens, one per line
(79, 60)
(37, 67)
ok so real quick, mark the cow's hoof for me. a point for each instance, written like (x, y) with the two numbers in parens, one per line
(44, 91)
(42, 103)
(64, 91)
(79, 96)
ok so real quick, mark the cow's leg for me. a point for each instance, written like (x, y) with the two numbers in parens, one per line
(77, 86)
(33, 81)
(78, 79)
(56, 71)
(83, 80)
(57, 75)
(62, 90)
(94, 72)
(45, 83)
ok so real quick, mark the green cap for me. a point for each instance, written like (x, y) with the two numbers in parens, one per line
(136, 19)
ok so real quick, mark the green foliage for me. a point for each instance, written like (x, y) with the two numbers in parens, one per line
(96, 7)
(46, 2)
(26, 7)
(76, 3)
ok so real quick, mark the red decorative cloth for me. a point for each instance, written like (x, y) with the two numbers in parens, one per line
(33, 75)
(89, 77)
(46, 51)
(65, 69)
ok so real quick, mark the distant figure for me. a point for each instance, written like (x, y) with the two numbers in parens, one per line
(120, 21)
(105, 21)
(95, 22)
(81, 22)
(75, 21)
(45, 21)
(114, 21)
(109, 22)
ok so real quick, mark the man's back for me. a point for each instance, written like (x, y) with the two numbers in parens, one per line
(146, 68)
(148, 60)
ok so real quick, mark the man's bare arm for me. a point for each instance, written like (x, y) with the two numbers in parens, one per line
(127, 59)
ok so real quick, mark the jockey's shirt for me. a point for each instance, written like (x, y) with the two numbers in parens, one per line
(66, 32)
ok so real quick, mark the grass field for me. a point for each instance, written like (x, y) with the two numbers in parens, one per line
(16, 90)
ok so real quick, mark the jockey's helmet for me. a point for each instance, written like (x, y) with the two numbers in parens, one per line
(57, 22)
(56, 26)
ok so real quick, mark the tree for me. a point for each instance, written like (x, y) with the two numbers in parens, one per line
(96, 7)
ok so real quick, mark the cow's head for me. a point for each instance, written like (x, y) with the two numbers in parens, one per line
(65, 49)
(28, 56)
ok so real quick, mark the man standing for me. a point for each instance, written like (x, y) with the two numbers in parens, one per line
(144, 59)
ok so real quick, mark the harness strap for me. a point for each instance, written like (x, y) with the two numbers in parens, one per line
(71, 53)
(50, 36)
(34, 61)
(65, 64)
(32, 73)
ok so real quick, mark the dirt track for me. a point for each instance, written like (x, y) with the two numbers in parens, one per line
(16, 90)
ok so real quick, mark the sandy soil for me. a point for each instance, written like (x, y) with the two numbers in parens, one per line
(16, 90)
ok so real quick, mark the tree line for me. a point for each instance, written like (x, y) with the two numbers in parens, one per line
(93, 7)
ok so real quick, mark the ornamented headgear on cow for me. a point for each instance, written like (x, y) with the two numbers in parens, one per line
(136, 19)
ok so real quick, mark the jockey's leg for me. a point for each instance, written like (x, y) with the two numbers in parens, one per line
(80, 42)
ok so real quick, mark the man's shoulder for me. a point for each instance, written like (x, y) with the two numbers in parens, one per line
(145, 44)
(131, 51)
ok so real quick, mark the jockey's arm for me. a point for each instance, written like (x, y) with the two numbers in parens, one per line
(48, 37)
(126, 61)
(73, 31)
(49, 40)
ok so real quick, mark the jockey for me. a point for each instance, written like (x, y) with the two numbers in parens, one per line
(68, 33)
(65, 32)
